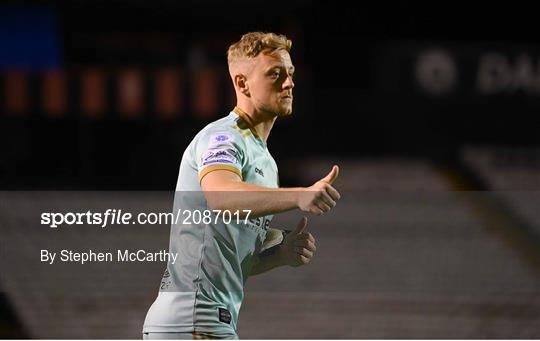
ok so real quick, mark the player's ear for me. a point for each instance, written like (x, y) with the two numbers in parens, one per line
(240, 82)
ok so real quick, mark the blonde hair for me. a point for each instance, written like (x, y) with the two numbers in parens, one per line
(253, 43)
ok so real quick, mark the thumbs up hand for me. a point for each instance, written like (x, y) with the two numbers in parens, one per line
(321, 197)
(299, 246)
(332, 176)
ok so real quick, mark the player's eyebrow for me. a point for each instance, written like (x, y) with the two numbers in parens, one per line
(290, 68)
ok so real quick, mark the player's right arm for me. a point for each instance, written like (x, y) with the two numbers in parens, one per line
(225, 190)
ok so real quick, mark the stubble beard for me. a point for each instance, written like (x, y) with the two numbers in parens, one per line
(285, 110)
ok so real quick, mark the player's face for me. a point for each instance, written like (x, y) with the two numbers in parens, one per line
(272, 83)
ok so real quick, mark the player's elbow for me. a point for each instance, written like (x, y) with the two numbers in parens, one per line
(217, 201)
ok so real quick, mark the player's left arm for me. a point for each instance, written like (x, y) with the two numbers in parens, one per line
(297, 248)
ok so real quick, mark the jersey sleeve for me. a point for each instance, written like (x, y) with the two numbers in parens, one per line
(219, 150)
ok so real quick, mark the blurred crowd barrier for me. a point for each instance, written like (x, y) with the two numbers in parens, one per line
(125, 92)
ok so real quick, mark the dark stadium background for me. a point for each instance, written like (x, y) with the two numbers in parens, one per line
(105, 95)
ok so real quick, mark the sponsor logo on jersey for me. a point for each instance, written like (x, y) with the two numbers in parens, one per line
(260, 222)
(259, 171)
(219, 156)
(220, 138)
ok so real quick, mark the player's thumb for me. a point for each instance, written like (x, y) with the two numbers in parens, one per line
(332, 176)
(301, 227)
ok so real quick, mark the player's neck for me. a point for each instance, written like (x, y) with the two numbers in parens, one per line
(261, 121)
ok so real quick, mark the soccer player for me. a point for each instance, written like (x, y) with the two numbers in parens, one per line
(227, 167)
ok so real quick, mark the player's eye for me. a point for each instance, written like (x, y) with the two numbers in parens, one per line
(275, 74)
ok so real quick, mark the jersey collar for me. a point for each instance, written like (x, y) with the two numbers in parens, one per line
(245, 117)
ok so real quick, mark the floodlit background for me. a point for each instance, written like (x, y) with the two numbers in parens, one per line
(431, 111)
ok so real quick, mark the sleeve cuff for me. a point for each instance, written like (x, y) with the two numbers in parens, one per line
(218, 167)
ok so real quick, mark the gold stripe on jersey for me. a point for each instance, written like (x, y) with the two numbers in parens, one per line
(219, 167)
(242, 131)
(201, 336)
(247, 120)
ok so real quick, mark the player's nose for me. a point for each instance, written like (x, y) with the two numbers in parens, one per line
(288, 83)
